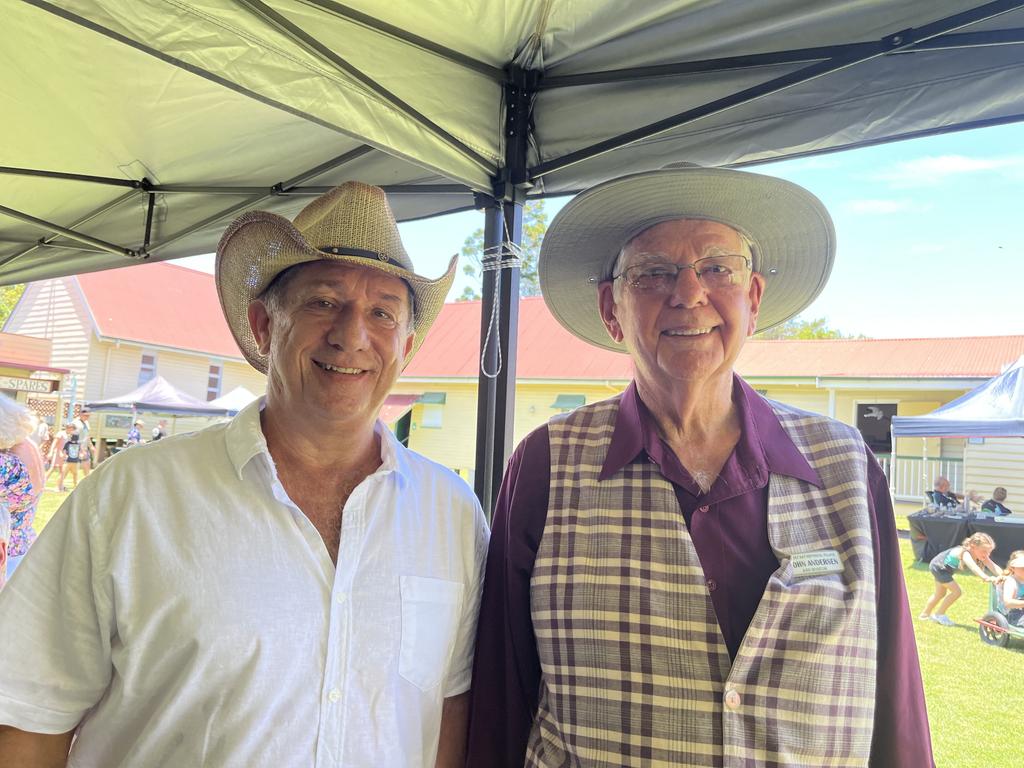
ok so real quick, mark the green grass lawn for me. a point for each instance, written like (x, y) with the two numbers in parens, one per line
(972, 689)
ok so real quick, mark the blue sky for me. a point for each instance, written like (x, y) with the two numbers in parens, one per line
(930, 241)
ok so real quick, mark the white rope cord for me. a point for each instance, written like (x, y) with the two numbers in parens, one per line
(505, 255)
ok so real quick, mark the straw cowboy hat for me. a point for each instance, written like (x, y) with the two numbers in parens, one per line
(794, 240)
(352, 223)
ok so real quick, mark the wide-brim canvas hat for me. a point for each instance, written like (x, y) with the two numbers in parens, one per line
(792, 233)
(352, 223)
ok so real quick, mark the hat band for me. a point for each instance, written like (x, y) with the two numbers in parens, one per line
(361, 253)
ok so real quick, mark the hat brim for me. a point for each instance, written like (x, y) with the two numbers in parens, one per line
(1017, 562)
(258, 246)
(793, 236)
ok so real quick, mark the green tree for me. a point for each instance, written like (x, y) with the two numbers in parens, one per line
(9, 295)
(796, 328)
(535, 224)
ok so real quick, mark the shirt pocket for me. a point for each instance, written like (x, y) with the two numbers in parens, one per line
(431, 612)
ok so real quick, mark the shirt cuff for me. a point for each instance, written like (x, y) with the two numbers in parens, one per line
(35, 719)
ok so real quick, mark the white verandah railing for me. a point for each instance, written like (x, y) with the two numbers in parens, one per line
(915, 475)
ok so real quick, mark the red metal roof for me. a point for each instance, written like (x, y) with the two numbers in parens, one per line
(167, 305)
(970, 356)
(160, 304)
(548, 351)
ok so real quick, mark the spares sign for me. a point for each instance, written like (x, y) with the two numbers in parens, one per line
(39, 386)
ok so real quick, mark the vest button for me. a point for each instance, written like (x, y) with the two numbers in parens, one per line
(732, 699)
(712, 585)
(703, 510)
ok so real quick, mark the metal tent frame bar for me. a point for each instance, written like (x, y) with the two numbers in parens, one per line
(306, 41)
(365, 20)
(942, 42)
(511, 183)
(857, 54)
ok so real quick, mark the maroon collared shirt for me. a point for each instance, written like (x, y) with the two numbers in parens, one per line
(729, 529)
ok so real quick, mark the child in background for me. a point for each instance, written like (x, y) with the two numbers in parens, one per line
(975, 552)
(1013, 589)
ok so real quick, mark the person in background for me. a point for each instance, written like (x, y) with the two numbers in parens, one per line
(41, 434)
(974, 554)
(995, 504)
(942, 496)
(73, 449)
(22, 476)
(56, 457)
(135, 433)
(293, 588)
(88, 449)
(687, 573)
(160, 430)
(1013, 589)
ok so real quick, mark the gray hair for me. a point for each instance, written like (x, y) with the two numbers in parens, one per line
(620, 260)
(16, 422)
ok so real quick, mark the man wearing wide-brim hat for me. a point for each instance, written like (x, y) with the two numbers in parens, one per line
(688, 574)
(291, 588)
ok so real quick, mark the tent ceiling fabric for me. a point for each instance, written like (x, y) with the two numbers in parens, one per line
(265, 102)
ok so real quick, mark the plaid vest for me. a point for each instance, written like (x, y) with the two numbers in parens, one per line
(635, 671)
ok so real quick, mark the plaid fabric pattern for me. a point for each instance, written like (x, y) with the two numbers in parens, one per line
(634, 668)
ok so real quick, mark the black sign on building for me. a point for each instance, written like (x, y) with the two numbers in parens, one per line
(875, 423)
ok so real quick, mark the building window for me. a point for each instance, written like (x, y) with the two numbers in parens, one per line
(213, 381)
(431, 409)
(147, 368)
(566, 403)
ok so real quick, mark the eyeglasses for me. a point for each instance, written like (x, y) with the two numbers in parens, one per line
(713, 272)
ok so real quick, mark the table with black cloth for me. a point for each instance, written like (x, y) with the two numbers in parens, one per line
(931, 534)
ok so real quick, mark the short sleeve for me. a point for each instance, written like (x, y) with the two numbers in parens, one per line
(56, 625)
(461, 668)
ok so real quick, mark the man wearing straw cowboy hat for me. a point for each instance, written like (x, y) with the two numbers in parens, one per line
(292, 588)
(687, 573)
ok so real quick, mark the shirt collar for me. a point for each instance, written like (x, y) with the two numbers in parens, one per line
(245, 441)
(762, 437)
(244, 436)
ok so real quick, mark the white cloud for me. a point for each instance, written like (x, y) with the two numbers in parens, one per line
(879, 207)
(926, 171)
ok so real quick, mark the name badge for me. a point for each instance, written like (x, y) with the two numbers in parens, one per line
(807, 564)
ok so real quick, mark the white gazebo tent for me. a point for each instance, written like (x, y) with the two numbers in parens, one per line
(233, 401)
(993, 409)
(136, 129)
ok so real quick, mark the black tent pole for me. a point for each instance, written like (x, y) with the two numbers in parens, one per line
(499, 323)
(499, 312)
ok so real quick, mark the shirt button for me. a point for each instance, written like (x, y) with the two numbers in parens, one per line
(334, 696)
(732, 699)
(711, 584)
(342, 598)
(703, 509)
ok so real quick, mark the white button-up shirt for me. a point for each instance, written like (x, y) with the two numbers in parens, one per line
(187, 613)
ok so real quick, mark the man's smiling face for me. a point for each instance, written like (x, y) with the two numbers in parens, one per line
(336, 338)
(691, 334)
